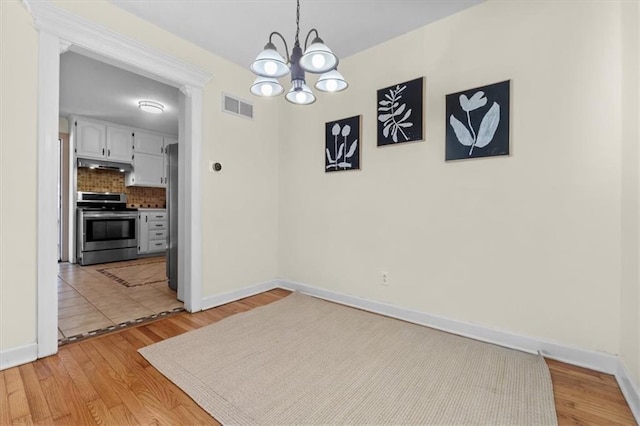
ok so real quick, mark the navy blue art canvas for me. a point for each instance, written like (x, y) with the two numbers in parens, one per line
(400, 112)
(342, 144)
(478, 122)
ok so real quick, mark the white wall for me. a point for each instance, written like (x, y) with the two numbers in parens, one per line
(239, 203)
(529, 243)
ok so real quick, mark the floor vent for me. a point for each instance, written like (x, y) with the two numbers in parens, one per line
(236, 106)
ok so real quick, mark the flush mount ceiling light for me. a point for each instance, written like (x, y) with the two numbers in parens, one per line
(317, 59)
(151, 106)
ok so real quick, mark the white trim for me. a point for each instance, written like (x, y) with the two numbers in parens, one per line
(598, 361)
(190, 207)
(48, 122)
(58, 31)
(224, 298)
(630, 389)
(18, 355)
(95, 38)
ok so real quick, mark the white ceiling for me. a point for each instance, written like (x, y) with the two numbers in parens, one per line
(237, 30)
(95, 89)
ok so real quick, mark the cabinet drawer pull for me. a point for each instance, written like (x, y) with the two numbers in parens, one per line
(159, 225)
(102, 151)
(108, 153)
(158, 233)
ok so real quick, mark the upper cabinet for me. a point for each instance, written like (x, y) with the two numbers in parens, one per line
(149, 160)
(103, 142)
(148, 170)
(119, 144)
(148, 143)
(145, 150)
(91, 139)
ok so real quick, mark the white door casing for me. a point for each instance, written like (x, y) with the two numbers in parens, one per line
(58, 30)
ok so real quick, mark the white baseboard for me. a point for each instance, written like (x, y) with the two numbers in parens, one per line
(224, 298)
(593, 360)
(629, 388)
(18, 355)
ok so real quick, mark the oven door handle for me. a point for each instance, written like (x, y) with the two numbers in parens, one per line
(110, 215)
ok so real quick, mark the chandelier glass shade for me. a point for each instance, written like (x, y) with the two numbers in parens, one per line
(301, 96)
(264, 86)
(331, 81)
(270, 63)
(317, 58)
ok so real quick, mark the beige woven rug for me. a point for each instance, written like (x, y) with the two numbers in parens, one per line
(302, 360)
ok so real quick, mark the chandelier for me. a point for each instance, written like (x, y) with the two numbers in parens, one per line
(317, 59)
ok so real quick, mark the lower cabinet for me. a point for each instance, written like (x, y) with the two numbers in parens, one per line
(152, 231)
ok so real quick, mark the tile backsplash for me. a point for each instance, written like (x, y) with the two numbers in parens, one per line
(96, 180)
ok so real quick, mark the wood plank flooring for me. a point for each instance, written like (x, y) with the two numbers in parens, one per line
(105, 381)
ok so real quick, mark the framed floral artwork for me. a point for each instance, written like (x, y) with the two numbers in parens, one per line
(478, 122)
(400, 112)
(342, 144)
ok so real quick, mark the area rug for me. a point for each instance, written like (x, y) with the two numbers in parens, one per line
(137, 274)
(302, 360)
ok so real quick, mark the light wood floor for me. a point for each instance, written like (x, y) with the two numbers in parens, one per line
(105, 381)
(89, 300)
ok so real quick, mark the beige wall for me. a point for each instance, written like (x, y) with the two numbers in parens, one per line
(239, 204)
(63, 125)
(18, 95)
(630, 325)
(529, 243)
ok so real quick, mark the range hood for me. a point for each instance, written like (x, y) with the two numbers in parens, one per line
(105, 165)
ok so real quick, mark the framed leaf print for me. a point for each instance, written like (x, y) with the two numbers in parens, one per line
(400, 112)
(342, 144)
(478, 122)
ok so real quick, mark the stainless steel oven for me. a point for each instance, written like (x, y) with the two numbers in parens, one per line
(107, 230)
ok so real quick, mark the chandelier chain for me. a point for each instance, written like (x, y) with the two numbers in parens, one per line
(298, 23)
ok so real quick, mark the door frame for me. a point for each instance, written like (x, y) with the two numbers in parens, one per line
(60, 30)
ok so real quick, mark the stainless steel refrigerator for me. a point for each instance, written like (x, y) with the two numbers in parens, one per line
(172, 213)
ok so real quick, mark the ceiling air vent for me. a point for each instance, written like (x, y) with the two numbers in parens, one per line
(236, 106)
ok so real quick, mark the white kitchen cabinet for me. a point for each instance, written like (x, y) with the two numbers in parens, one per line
(148, 143)
(149, 160)
(98, 141)
(148, 170)
(119, 144)
(90, 139)
(152, 231)
(143, 233)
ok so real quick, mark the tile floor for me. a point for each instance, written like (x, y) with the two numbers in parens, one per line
(88, 300)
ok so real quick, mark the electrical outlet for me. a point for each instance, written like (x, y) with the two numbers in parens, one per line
(384, 278)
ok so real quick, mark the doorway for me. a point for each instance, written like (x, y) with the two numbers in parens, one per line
(121, 213)
(58, 31)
